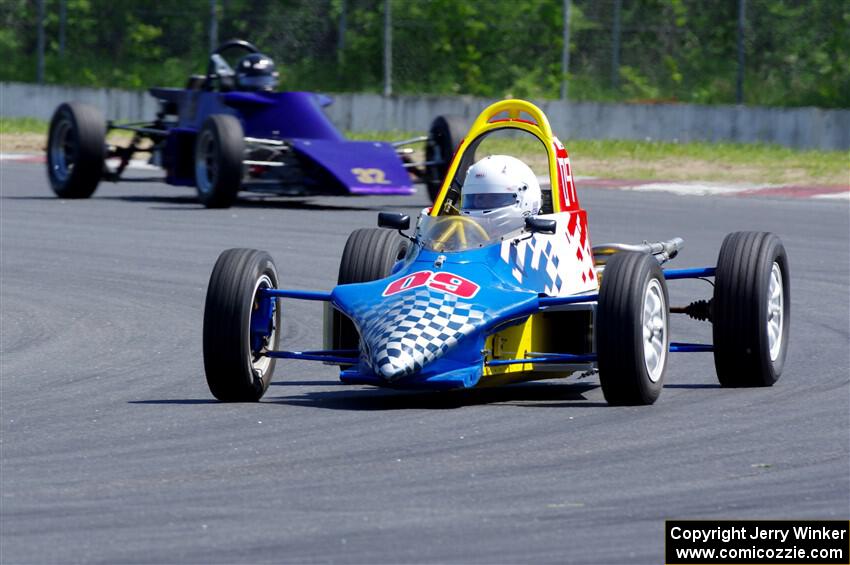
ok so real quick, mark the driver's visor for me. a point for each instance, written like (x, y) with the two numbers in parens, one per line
(257, 82)
(487, 200)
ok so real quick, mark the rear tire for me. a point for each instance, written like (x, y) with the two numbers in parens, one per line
(239, 326)
(219, 149)
(632, 329)
(444, 136)
(369, 255)
(76, 150)
(750, 309)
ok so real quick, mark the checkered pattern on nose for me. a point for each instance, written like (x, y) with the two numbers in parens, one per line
(402, 335)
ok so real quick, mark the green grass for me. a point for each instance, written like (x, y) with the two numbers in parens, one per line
(29, 127)
(732, 153)
(22, 125)
(761, 163)
(757, 162)
(757, 155)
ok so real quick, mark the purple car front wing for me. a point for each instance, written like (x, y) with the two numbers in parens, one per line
(364, 167)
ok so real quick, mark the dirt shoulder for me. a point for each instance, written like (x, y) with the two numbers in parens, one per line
(22, 143)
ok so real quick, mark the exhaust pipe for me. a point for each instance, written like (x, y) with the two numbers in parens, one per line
(663, 251)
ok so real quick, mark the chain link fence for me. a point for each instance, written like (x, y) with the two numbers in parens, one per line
(765, 52)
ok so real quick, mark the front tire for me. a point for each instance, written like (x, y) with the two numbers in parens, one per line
(76, 150)
(219, 149)
(369, 255)
(632, 329)
(240, 325)
(751, 309)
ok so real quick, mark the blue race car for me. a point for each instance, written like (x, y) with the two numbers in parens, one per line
(229, 130)
(500, 284)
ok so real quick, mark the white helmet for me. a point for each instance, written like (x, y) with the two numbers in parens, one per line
(501, 183)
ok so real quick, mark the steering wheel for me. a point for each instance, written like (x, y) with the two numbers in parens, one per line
(217, 66)
(456, 227)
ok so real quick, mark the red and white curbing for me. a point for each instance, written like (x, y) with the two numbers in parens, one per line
(820, 192)
(22, 158)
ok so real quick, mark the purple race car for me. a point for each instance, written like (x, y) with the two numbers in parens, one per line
(229, 130)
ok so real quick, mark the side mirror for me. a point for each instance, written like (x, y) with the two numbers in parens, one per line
(539, 225)
(393, 220)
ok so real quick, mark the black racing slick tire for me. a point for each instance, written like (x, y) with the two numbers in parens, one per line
(219, 150)
(236, 369)
(76, 150)
(444, 136)
(751, 309)
(632, 329)
(369, 255)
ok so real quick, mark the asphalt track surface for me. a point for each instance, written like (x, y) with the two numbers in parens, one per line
(114, 451)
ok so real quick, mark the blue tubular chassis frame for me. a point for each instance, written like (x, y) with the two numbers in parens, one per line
(351, 356)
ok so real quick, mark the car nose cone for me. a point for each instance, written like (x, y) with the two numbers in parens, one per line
(413, 329)
(395, 366)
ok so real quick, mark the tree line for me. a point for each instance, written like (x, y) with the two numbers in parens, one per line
(796, 52)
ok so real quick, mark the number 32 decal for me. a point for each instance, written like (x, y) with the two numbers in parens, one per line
(442, 281)
(370, 176)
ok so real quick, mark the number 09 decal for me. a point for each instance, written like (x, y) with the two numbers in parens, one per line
(370, 176)
(442, 281)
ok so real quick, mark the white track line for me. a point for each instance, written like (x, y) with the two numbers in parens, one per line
(693, 189)
(17, 157)
(833, 196)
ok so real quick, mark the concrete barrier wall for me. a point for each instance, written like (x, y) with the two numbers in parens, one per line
(792, 127)
(38, 101)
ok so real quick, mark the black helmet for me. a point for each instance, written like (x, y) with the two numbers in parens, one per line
(256, 72)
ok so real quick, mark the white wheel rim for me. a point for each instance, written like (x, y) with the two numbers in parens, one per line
(261, 362)
(775, 311)
(654, 323)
